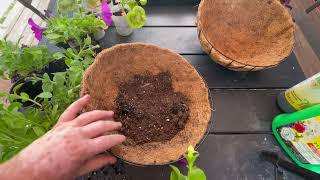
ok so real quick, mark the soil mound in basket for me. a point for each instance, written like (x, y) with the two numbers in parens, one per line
(112, 79)
(245, 35)
(149, 109)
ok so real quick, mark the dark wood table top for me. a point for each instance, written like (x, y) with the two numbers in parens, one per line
(244, 102)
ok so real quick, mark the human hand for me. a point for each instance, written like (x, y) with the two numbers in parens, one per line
(74, 147)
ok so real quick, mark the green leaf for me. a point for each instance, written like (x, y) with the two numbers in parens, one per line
(58, 55)
(14, 106)
(3, 94)
(137, 17)
(24, 95)
(132, 4)
(175, 173)
(53, 36)
(45, 95)
(143, 2)
(196, 174)
(87, 41)
(17, 87)
(39, 131)
(47, 85)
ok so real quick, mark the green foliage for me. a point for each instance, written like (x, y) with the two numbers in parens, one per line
(64, 87)
(136, 16)
(194, 173)
(17, 129)
(23, 61)
(64, 29)
(66, 6)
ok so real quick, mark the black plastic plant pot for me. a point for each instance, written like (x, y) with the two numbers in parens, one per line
(15, 78)
(55, 66)
(29, 88)
(63, 45)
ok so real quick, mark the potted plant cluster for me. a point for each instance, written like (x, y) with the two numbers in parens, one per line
(42, 78)
(18, 129)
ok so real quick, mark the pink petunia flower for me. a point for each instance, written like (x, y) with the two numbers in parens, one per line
(37, 30)
(106, 13)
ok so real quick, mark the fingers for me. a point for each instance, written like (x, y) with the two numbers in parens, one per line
(92, 116)
(72, 111)
(103, 143)
(98, 128)
(96, 163)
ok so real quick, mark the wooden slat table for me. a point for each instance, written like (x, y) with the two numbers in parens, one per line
(244, 103)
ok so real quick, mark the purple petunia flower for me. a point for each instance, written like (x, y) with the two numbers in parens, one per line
(183, 162)
(37, 30)
(106, 13)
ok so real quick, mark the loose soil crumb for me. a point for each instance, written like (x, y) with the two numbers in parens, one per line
(150, 110)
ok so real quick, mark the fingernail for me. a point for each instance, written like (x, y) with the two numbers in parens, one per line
(86, 96)
(120, 124)
(113, 161)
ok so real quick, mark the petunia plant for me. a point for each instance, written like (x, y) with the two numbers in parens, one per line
(15, 60)
(19, 129)
(66, 6)
(194, 173)
(136, 16)
(65, 29)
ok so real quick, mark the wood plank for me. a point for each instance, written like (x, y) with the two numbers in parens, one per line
(243, 111)
(308, 60)
(173, 3)
(285, 75)
(181, 40)
(287, 175)
(171, 15)
(222, 157)
(12, 18)
(308, 23)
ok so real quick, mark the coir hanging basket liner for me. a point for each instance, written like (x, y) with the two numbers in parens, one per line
(245, 35)
(118, 64)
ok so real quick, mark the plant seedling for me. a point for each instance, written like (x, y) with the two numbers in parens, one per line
(194, 173)
(136, 16)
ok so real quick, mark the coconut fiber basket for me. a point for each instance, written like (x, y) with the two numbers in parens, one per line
(245, 35)
(117, 65)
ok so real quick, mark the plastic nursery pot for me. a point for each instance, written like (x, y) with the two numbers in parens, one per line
(62, 45)
(55, 66)
(120, 22)
(27, 87)
(99, 34)
(92, 5)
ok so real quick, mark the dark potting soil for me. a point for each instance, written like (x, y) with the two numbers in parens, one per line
(150, 110)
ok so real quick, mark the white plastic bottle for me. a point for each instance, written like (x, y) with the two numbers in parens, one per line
(301, 96)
